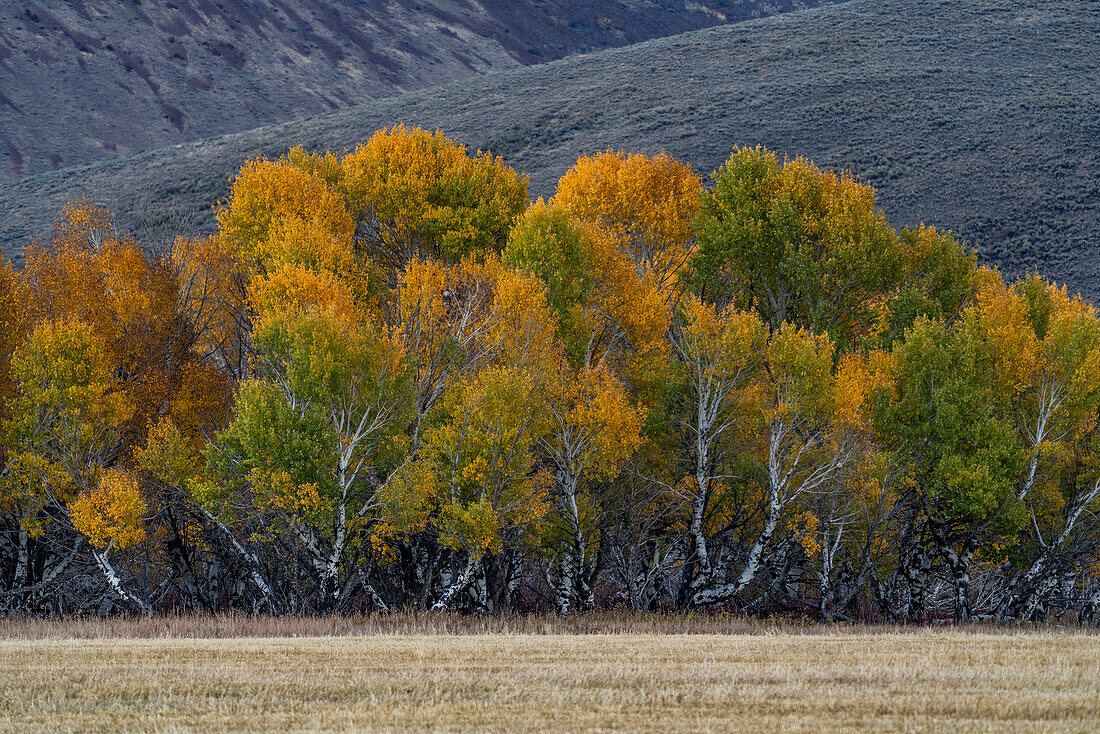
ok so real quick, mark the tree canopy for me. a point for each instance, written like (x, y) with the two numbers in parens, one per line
(389, 380)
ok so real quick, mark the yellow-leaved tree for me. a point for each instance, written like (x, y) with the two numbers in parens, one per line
(418, 194)
(487, 489)
(65, 427)
(645, 202)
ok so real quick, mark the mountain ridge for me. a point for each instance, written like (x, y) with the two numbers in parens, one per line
(95, 79)
(988, 131)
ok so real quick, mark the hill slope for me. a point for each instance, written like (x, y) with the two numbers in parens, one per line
(983, 117)
(83, 81)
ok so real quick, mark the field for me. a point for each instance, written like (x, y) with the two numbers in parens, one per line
(527, 677)
(981, 117)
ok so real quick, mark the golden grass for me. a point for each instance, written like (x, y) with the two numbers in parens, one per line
(418, 623)
(915, 681)
(405, 623)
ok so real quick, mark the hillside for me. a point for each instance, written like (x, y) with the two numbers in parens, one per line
(983, 117)
(95, 79)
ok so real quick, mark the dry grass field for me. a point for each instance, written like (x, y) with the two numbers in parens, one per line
(768, 680)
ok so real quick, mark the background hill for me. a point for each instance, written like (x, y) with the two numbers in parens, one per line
(982, 117)
(92, 79)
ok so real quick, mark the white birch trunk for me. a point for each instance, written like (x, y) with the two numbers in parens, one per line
(115, 582)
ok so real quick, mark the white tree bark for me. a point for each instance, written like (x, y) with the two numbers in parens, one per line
(115, 582)
(252, 561)
(456, 587)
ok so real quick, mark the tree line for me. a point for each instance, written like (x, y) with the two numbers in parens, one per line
(391, 381)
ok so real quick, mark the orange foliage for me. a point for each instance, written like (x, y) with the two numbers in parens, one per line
(113, 513)
(646, 203)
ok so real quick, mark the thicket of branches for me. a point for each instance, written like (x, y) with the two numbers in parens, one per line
(390, 381)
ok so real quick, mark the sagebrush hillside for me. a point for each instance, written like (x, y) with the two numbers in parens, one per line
(84, 81)
(982, 117)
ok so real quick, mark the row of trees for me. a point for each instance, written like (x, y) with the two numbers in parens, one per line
(389, 380)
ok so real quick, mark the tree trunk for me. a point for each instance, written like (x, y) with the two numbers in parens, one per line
(457, 586)
(22, 570)
(115, 582)
(251, 561)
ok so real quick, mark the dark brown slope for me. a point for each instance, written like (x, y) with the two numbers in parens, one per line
(982, 116)
(92, 79)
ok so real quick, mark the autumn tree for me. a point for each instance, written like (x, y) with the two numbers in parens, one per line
(482, 458)
(65, 428)
(415, 194)
(803, 402)
(610, 325)
(151, 333)
(854, 511)
(311, 440)
(112, 517)
(796, 244)
(646, 203)
(388, 380)
(592, 433)
(964, 456)
(12, 332)
(721, 356)
(1048, 353)
(445, 315)
(279, 214)
(939, 278)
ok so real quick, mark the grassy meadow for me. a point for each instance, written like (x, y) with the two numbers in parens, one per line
(538, 675)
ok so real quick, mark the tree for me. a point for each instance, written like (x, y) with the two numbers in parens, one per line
(415, 194)
(645, 203)
(593, 431)
(151, 332)
(482, 456)
(176, 459)
(796, 244)
(609, 323)
(212, 288)
(964, 456)
(606, 315)
(558, 249)
(64, 429)
(12, 332)
(312, 437)
(112, 517)
(279, 214)
(445, 315)
(721, 355)
(390, 381)
(1048, 353)
(939, 277)
(853, 511)
(805, 406)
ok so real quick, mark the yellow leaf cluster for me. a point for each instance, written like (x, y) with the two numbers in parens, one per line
(112, 514)
(426, 196)
(525, 329)
(804, 527)
(645, 203)
(279, 491)
(800, 369)
(297, 289)
(278, 213)
(594, 406)
(1001, 315)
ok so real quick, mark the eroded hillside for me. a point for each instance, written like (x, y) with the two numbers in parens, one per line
(81, 81)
